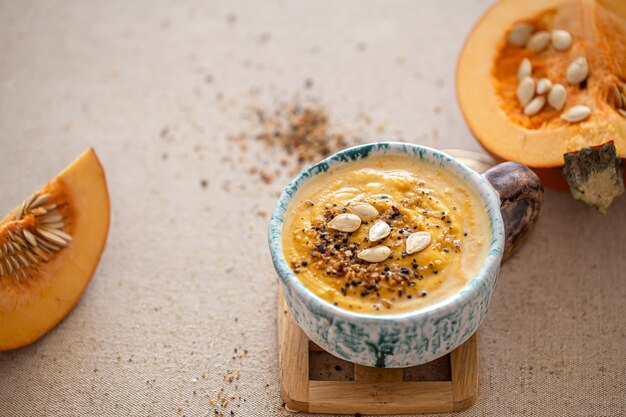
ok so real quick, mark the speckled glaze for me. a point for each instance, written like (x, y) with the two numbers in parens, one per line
(392, 341)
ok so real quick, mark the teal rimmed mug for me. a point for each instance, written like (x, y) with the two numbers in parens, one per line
(512, 196)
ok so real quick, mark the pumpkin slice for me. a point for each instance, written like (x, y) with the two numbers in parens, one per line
(487, 84)
(49, 249)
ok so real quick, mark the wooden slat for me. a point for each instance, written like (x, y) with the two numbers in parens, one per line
(365, 373)
(464, 369)
(373, 398)
(294, 359)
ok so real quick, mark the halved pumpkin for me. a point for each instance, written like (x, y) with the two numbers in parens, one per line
(50, 246)
(487, 83)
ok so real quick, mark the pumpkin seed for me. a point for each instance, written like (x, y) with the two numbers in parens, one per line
(51, 218)
(520, 34)
(365, 211)
(561, 39)
(525, 69)
(375, 254)
(20, 212)
(622, 112)
(57, 232)
(39, 201)
(417, 241)
(378, 231)
(543, 85)
(51, 237)
(616, 96)
(29, 237)
(33, 243)
(577, 71)
(57, 225)
(346, 222)
(539, 41)
(535, 106)
(526, 90)
(576, 113)
(557, 96)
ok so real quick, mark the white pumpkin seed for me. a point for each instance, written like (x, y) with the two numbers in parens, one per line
(576, 113)
(376, 254)
(520, 34)
(346, 222)
(379, 230)
(539, 41)
(535, 106)
(622, 112)
(543, 86)
(365, 211)
(417, 241)
(577, 71)
(525, 69)
(557, 96)
(526, 90)
(561, 39)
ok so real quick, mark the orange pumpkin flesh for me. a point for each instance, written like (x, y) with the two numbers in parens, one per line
(40, 283)
(487, 82)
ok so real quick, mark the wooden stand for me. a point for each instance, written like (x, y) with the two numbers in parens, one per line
(314, 381)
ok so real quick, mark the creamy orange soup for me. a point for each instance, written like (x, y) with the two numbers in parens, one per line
(430, 228)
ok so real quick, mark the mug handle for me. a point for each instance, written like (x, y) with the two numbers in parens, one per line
(521, 197)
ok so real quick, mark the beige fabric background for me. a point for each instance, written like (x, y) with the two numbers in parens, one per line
(186, 277)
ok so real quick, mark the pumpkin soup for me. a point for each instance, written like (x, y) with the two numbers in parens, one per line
(385, 235)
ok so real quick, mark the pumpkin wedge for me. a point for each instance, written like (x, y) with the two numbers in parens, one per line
(550, 35)
(50, 246)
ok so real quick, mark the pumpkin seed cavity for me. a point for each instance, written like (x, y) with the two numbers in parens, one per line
(533, 95)
(33, 237)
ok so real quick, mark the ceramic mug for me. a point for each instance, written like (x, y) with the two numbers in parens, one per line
(512, 196)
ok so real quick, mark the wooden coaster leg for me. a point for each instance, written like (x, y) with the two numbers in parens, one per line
(464, 369)
(294, 360)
